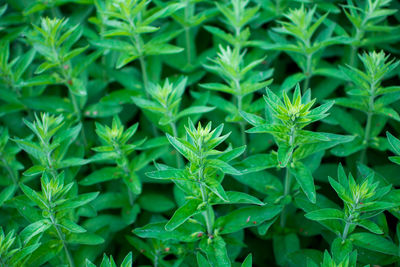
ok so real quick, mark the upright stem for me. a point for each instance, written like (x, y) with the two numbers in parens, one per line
(353, 53)
(10, 171)
(187, 33)
(348, 223)
(308, 72)
(208, 212)
(288, 177)
(61, 237)
(67, 78)
(278, 7)
(346, 230)
(241, 123)
(366, 136)
(124, 166)
(354, 47)
(155, 264)
(144, 74)
(288, 182)
(208, 215)
(79, 116)
(367, 131)
(50, 166)
(179, 159)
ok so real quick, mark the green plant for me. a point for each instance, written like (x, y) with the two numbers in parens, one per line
(241, 82)
(366, 20)
(131, 20)
(200, 183)
(285, 122)
(109, 157)
(363, 200)
(55, 201)
(109, 261)
(308, 45)
(11, 253)
(367, 94)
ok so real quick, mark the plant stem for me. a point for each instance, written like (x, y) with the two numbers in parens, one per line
(187, 34)
(244, 138)
(308, 73)
(155, 264)
(288, 182)
(188, 46)
(144, 74)
(67, 78)
(179, 159)
(124, 166)
(366, 137)
(10, 171)
(288, 177)
(208, 216)
(353, 53)
(61, 237)
(346, 230)
(241, 123)
(208, 213)
(348, 223)
(367, 130)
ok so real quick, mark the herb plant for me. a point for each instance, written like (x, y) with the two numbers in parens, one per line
(199, 133)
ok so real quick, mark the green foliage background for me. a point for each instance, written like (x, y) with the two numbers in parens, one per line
(199, 133)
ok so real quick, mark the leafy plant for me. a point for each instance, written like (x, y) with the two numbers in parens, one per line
(307, 47)
(363, 200)
(55, 201)
(366, 20)
(241, 83)
(109, 157)
(109, 261)
(131, 19)
(200, 183)
(285, 122)
(369, 96)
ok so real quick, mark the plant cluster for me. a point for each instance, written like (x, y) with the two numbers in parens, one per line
(199, 133)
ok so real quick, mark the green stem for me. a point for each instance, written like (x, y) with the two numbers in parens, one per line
(241, 123)
(155, 264)
(348, 223)
(179, 159)
(278, 7)
(144, 74)
(208, 212)
(288, 182)
(366, 137)
(346, 230)
(124, 166)
(188, 46)
(78, 113)
(353, 53)
(243, 135)
(138, 42)
(61, 237)
(354, 47)
(187, 33)
(308, 72)
(67, 78)
(370, 113)
(288, 177)
(49, 160)
(10, 171)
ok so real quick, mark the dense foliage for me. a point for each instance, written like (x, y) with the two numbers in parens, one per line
(199, 133)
